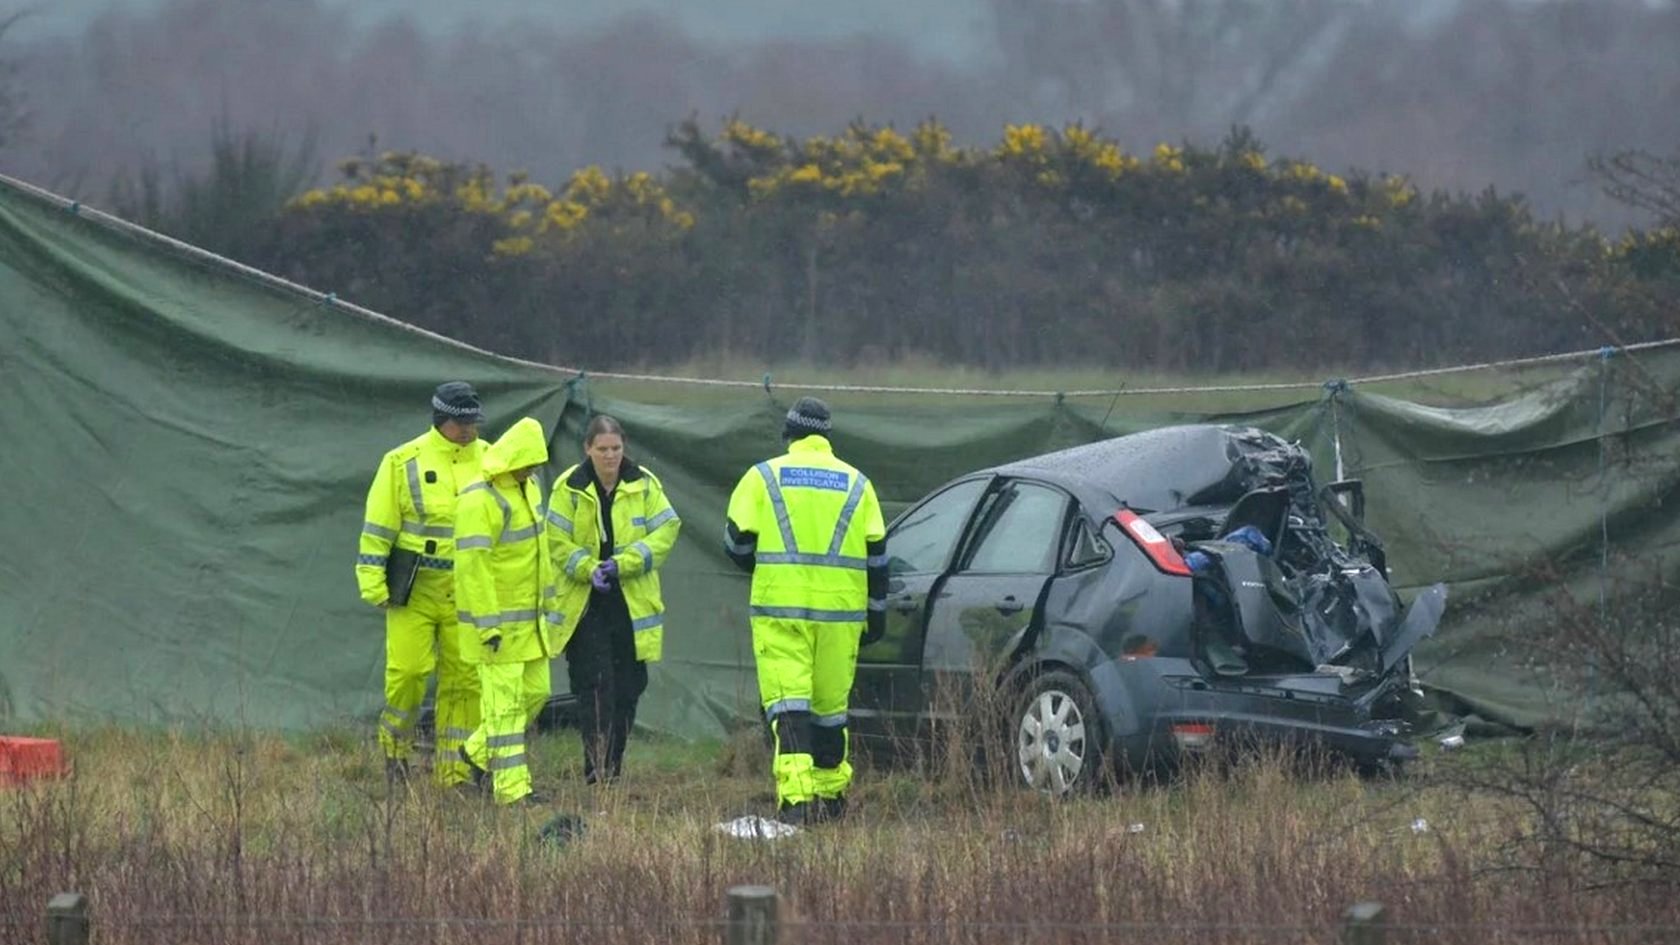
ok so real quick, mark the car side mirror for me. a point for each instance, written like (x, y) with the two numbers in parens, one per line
(894, 585)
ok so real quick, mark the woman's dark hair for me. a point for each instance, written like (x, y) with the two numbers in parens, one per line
(602, 424)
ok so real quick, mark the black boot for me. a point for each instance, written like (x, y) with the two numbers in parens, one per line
(831, 809)
(798, 813)
(478, 774)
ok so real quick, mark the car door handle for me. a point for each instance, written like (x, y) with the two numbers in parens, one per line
(905, 605)
(1009, 605)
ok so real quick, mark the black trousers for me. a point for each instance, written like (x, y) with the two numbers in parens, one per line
(608, 681)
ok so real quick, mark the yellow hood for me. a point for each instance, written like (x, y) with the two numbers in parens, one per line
(522, 445)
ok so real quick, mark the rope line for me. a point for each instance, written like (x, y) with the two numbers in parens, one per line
(1137, 391)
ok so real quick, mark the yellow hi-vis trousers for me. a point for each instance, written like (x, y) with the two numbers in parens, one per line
(805, 671)
(513, 695)
(419, 637)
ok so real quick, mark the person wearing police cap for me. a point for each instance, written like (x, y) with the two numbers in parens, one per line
(405, 565)
(808, 527)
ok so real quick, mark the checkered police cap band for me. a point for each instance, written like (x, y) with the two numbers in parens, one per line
(453, 410)
(803, 421)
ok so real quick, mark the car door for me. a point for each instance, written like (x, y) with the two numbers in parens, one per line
(992, 594)
(886, 696)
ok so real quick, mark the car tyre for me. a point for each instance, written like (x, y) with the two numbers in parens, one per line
(1056, 736)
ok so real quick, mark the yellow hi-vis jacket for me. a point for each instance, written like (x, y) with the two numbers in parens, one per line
(807, 519)
(644, 528)
(411, 505)
(502, 568)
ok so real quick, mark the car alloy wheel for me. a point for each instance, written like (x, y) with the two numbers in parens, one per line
(1051, 742)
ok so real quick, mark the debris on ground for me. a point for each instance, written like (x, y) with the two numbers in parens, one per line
(754, 827)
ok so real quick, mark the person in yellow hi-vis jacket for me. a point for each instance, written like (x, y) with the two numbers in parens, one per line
(611, 529)
(808, 527)
(504, 584)
(410, 521)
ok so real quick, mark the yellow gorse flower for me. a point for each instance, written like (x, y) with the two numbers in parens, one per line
(396, 180)
(1169, 158)
(1023, 143)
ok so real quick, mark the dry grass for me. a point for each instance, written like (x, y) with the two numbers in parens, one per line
(225, 838)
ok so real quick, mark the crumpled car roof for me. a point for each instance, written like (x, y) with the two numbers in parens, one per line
(1157, 470)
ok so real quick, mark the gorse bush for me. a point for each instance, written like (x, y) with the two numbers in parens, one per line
(1052, 247)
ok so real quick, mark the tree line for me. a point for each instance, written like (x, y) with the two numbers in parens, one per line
(1455, 93)
(1049, 247)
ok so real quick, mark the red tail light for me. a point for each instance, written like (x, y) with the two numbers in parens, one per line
(1193, 736)
(1157, 546)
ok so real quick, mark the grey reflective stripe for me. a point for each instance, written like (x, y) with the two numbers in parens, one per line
(459, 734)
(787, 705)
(472, 541)
(780, 505)
(647, 555)
(474, 487)
(876, 605)
(521, 534)
(505, 741)
(413, 467)
(576, 559)
(740, 548)
(554, 616)
(876, 561)
(661, 518)
(824, 561)
(845, 521)
(378, 531)
(511, 761)
(394, 720)
(507, 511)
(637, 520)
(830, 721)
(650, 622)
(438, 564)
(560, 521)
(430, 531)
(377, 561)
(811, 613)
(493, 621)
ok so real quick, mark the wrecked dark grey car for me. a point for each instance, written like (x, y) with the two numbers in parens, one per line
(1134, 600)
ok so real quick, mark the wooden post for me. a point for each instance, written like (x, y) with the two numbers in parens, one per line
(1365, 923)
(752, 916)
(67, 919)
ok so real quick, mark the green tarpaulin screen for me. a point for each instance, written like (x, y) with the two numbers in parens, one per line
(186, 446)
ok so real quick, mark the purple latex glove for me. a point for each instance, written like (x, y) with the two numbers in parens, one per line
(604, 576)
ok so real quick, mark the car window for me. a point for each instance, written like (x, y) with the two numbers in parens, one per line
(1021, 533)
(921, 542)
(1084, 547)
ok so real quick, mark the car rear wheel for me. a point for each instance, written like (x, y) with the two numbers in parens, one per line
(1058, 744)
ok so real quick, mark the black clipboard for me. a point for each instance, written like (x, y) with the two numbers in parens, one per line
(400, 568)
